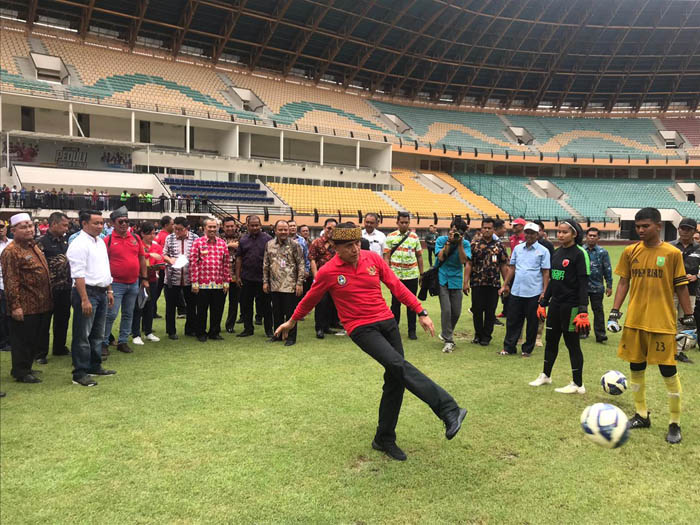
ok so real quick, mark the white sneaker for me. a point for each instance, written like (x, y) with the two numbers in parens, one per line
(152, 337)
(542, 379)
(448, 348)
(137, 341)
(571, 388)
(341, 333)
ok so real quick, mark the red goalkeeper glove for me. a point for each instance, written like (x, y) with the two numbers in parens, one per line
(582, 324)
(541, 313)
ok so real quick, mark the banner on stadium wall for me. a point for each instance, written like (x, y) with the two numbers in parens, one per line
(54, 154)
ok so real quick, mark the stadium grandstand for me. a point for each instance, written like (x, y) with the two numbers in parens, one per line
(536, 109)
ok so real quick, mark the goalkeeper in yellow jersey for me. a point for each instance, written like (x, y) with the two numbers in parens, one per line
(651, 270)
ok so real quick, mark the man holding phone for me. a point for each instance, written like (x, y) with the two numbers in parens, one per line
(453, 253)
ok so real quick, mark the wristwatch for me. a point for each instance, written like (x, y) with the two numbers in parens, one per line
(423, 313)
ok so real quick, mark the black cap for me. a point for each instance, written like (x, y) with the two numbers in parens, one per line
(687, 222)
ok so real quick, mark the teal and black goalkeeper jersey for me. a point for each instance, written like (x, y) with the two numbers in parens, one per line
(568, 283)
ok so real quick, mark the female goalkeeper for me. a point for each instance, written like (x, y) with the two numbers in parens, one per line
(567, 298)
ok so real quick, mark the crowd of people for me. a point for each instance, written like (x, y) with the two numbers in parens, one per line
(111, 274)
(100, 199)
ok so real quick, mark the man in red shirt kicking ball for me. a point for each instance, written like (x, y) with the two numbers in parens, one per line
(353, 279)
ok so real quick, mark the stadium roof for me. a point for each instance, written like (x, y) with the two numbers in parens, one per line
(516, 53)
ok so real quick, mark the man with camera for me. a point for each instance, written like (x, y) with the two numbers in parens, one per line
(453, 253)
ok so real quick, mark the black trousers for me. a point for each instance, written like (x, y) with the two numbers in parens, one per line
(157, 290)
(27, 339)
(4, 322)
(234, 293)
(61, 317)
(382, 342)
(252, 291)
(521, 309)
(325, 313)
(560, 322)
(598, 315)
(172, 301)
(143, 317)
(431, 252)
(412, 285)
(283, 305)
(213, 300)
(484, 303)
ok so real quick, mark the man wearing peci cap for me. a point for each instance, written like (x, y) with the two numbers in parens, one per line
(691, 260)
(127, 264)
(28, 294)
(525, 283)
(353, 278)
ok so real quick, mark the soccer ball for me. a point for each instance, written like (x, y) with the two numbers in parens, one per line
(686, 340)
(605, 425)
(614, 382)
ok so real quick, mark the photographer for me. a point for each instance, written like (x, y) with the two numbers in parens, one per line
(453, 253)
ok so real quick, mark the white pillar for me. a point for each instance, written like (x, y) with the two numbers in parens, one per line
(236, 141)
(281, 146)
(187, 136)
(70, 120)
(357, 155)
(228, 143)
(133, 127)
(321, 152)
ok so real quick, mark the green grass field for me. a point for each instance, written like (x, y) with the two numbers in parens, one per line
(241, 431)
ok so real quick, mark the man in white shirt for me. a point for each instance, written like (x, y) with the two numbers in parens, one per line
(377, 240)
(92, 295)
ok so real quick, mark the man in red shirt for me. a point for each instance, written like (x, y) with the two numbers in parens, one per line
(518, 236)
(210, 275)
(127, 263)
(166, 228)
(353, 277)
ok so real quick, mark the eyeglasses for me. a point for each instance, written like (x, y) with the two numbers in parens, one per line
(122, 221)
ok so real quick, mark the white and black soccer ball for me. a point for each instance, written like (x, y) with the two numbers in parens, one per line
(614, 382)
(605, 425)
(686, 340)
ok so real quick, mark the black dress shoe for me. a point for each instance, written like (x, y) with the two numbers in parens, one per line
(157, 316)
(230, 330)
(270, 334)
(258, 322)
(240, 320)
(29, 378)
(64, 351)
(412, 336)
(245, 333)
(476, 341)
(216, 337)
(190, 334)
(42, 361)
(390, 449)
(290, 342)
(320, 334)
(174, 337)
(328, 331)
(453, 422)
(273, 339)
(497, 322)
(202, 338)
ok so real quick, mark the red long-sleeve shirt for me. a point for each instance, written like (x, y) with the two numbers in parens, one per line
(357, 292)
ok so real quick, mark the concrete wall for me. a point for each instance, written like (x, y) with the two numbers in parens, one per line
(336, 154)
(302, 150)
(11, 117)
(265, 146)
(206, 139)
(52, 121)
(113, 128)
(167, 135)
